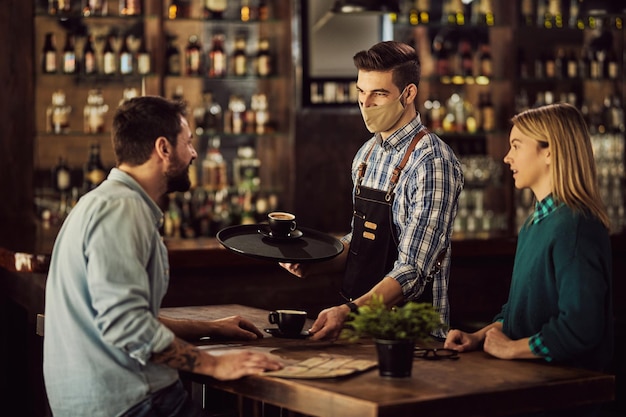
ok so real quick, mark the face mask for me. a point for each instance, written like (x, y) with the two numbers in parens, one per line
(382, 118)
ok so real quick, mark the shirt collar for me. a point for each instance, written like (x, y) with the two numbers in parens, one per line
(399, 138)
(124, 178)
(543, 208)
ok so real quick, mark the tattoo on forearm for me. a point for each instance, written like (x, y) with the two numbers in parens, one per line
(179, 355)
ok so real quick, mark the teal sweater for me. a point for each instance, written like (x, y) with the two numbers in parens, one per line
(561, 289)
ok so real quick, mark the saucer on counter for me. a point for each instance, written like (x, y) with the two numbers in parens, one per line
(265, 231)
(277, 333)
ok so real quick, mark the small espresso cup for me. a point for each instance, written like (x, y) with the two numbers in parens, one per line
(281, 223)
(289, 322)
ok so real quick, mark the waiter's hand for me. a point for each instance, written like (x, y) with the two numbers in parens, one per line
(329, 323)
(296, 269)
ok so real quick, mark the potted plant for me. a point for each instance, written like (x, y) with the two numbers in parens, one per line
(394, 330)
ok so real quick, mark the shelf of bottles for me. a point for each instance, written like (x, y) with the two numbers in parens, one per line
(221, 58)
(580, 61)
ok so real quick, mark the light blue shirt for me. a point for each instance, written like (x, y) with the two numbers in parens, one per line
(423, 210)
(108, 275)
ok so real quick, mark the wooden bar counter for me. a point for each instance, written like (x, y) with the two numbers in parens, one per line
(476, 384)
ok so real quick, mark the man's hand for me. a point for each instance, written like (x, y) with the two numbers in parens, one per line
(461, 341)
(329, 323)
(235, 327)
(296, 269)
(237, 364)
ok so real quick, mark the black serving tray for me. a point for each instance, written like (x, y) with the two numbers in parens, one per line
(249, 240)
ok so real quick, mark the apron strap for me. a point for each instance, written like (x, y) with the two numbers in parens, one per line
(395, 176)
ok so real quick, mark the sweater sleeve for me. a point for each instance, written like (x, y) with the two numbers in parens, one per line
(581, 262)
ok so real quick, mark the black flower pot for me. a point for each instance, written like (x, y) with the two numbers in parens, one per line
(395, 357)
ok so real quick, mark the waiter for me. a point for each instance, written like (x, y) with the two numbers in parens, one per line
(406, 187)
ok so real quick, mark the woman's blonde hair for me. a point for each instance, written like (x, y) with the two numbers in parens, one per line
(562, 128)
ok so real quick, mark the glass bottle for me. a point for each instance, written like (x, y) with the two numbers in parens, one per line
(59, 6)
(217, 57)
(126, 58)
(208, 116)
(89, 57)
(193, 56)
(214, 170)
(144, 61)
(263, 63)
(94, 112)
(49, 57)
(130, 7)
(246, 169)
(240, 60)
(235, 118)
(109, 65)
(95, 8)
(172, 54)
(263, 10)
(128, 94)
(94, 172)
(214, 9)
(179, 9)
(61, 176)
(527, 10)
(261, 114)
(69, 55)
(485, 60)
(58, 114)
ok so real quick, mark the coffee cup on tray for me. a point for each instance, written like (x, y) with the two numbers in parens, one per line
(281, 223)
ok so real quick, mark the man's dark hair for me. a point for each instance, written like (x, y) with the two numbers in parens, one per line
(139, 122)
(391, 56)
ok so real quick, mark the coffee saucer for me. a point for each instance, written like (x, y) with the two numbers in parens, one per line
(277, 333)
(265, 231)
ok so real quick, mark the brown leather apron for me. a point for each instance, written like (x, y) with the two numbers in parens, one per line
(374, 246)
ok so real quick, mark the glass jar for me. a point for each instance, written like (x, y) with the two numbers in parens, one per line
(58, 114)
(94, 112)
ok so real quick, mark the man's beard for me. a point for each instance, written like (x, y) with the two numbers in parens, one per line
(177, 176)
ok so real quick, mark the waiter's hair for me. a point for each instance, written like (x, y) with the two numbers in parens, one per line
(562, 128)
(397, 57)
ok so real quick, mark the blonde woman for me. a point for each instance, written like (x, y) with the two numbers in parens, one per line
(560, 301)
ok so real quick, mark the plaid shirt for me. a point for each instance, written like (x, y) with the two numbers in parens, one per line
(543, 209)
(424, 206)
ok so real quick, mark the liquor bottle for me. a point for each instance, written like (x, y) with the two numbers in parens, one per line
(246, 169)
(488, 113)
(59, 6)
(234, 118)
(144, 61)
(572, 65)
(49, 57)
(611, 64)
(89, 57)
(126, 58)
(263, 10)
(61, 176)
(466, 59)
(246, 11)
(217, 57)
(549, 64)
(94, 172)
(94, 112)
(485, 61)
(193, 56)
(58, 114)
(482, 13)
(540, 15)
(560, 64)
(69, 55)
(260, 113)
(208, 116)
(179, 9)
(130, 7)
(109, 65)
(214, 169)
(553, 18)
(527, 9)
(172, 55)
(575, 21)
(263, 61)
(127, 94)
(214, 9)
(240, 59)
(95, 8)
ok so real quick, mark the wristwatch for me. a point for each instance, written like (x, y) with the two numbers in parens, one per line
(353, 307)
